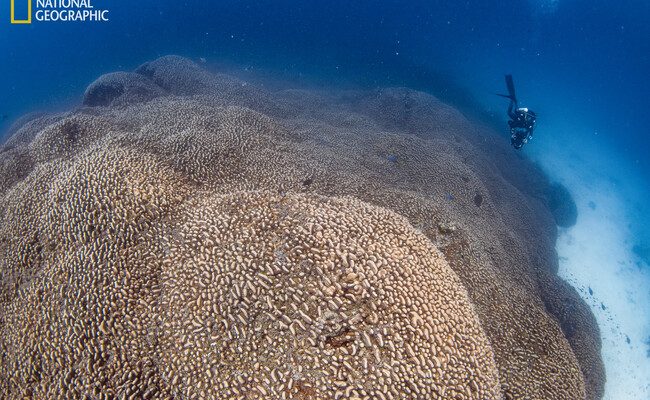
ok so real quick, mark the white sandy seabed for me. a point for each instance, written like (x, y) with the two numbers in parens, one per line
(596, 257)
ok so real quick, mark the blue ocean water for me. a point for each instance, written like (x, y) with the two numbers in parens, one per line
(582, 65)
(576, 60)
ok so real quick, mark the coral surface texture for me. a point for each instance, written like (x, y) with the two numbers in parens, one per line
(185, 234)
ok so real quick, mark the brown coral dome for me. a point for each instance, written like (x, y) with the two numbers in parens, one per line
(188, 235)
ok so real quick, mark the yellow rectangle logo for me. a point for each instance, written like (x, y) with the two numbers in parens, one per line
(21, 21)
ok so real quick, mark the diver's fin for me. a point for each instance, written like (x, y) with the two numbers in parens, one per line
(507, 96)
(511, 88)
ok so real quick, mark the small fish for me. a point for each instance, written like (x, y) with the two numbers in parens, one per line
(449, 196)
(627, 339)
(202, 59)
(603, 306)
(591, 292)
(392, 158)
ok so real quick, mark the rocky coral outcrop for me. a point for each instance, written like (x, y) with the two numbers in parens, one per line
(562, 205)
(152, 233)
(121, 88)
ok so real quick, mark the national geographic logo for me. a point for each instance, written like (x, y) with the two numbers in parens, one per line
(56, 11)
(15, 20)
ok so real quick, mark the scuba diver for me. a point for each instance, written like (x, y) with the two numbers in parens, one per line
(522, 120)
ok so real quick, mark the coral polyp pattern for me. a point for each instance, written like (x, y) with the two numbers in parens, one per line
(188, 235)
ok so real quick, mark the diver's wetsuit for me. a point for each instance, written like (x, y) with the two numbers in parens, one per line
(521, 124)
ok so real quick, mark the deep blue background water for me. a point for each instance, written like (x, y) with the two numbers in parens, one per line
(582, 65)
